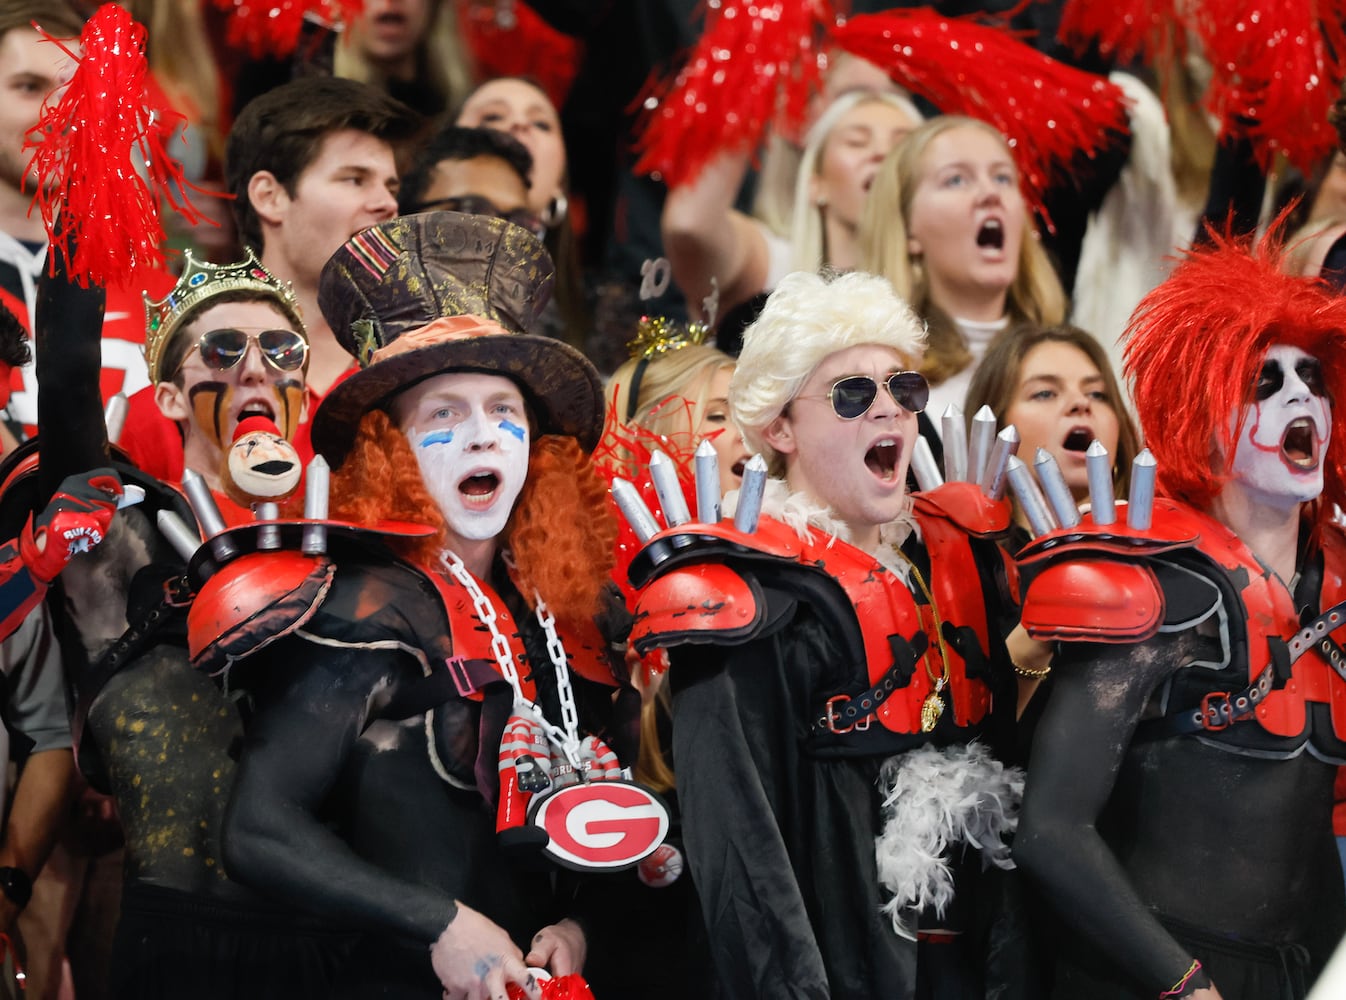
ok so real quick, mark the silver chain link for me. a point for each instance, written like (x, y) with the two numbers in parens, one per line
(565, 694)
(566, 740)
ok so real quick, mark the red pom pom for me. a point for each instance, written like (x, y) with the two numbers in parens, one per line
(272, 27)
(756, 60)
(570, 987)
(1276, 69)
(1049, 112)
(1123, 30)
(508, 38)
(110, 121)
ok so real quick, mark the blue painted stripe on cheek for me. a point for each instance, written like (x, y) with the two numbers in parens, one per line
(436, 437)
(514, 429)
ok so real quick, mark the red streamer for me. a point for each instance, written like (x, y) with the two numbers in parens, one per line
(109, 121)
(624, 450)
(756, 63)
(1124, 30)
(1277, 68)
(512, 40)
(7, 948)
(273, 27)
(572, 987)
(1049, 112)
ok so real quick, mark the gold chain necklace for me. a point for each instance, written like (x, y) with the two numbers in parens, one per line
(933, 706)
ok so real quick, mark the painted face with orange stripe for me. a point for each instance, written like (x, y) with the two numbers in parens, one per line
(255, 371)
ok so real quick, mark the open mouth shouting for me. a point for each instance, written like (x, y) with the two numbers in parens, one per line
(478, 490)
(881, 459)
(991, 235)
(1078, 439)
(1299, 446)
(256, 408)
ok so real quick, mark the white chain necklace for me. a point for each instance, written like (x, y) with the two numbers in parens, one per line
(565, 739)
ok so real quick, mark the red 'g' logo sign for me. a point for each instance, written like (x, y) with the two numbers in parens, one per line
(607, 825)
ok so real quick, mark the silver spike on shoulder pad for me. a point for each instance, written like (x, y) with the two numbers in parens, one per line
(995, 478)
(208, 515)
(750, 495)
(1140, 501)
(706, 467)
(1102, 498)
(317, 490)
(633, 508)
(669, 490)
(954, 435)
(924, 467)
(1031, 500)
(1058, 494)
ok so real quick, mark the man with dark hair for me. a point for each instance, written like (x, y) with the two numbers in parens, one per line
(479, 171)
(310, 164)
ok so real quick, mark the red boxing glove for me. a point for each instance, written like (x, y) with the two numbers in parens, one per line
(75, 520)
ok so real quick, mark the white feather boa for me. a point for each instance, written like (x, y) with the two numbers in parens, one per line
(932, 799)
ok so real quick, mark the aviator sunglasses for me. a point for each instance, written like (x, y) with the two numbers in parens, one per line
(283, 350)
(852, 396)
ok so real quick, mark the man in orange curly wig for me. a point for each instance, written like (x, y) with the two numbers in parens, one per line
(428, 697)
(1179, 800)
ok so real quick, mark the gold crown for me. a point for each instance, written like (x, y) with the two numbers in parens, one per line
(659, 335)
(201, 281)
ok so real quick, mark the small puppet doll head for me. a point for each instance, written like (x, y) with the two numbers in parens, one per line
(260, 465)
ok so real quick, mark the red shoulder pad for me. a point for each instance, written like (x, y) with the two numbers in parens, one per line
(252, 601)
(1094, 600)
(697, 541)
(966, 506)
(706, 602)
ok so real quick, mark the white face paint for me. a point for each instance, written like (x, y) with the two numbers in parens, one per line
(1278, 457)
(469, 432)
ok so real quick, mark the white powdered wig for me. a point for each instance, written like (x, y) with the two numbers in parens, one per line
(933, 799)
(806, 320)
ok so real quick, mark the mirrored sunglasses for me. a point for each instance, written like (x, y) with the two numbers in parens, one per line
(852, 396)
(283, 350)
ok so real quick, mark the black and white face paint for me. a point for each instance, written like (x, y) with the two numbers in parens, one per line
(1278, 456)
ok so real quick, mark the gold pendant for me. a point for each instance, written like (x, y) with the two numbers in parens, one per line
(931, 709)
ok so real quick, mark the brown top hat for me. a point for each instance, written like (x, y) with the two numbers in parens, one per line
(411, 273)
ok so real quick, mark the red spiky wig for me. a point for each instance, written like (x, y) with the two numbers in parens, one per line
(562, 534)
(1194, 348)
